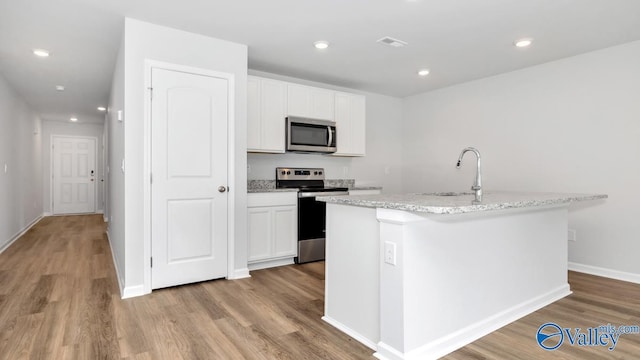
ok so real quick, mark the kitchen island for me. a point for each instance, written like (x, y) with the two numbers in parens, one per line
(416, 276)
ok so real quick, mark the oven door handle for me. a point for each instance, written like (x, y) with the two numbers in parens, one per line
(316, 193)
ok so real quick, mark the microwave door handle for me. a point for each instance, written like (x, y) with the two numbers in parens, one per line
(330, 136)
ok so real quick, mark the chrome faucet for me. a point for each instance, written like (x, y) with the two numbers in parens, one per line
(477, 185)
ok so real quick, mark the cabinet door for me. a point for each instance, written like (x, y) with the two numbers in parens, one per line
(273, 111)
(254, 122)
(310, 102)
(259, 233)
(298, 100)
(322, 104)
(285, 231)
(351, 124)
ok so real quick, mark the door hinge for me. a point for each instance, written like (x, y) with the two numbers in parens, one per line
(151, 261)
(151, 178)
(151, 92)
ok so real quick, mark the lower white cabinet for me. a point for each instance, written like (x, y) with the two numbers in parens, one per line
(273, 229)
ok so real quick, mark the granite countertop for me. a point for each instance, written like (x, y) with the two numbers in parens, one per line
(438, 204)
(258, 186)
(366, 188)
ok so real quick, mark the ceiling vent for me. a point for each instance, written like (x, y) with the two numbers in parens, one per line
(392, 42)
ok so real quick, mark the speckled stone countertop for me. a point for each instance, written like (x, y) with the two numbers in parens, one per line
(436, 203)
(256, 186)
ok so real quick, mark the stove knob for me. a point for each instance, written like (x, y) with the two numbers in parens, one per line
(315, 173)
(288, 172)
(319, 172)
(283, 172)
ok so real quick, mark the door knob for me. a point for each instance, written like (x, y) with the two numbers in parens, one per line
(222, 189)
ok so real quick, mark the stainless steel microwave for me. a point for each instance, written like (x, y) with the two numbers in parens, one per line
(311, 135)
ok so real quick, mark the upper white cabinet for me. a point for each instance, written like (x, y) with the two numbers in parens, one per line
(350, 123)
(266, 112)
(271, 101)
(310, 102)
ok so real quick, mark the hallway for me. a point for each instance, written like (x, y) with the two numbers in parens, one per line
(59, 299)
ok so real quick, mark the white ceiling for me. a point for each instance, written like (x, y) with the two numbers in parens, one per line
(458, 40)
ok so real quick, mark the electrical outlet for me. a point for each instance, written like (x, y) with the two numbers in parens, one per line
(571, 235)
(389, 253)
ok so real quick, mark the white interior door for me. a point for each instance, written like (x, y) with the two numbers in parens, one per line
(189, 117)
(74, 175)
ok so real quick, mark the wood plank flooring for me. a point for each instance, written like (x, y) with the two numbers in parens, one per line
(59, 299)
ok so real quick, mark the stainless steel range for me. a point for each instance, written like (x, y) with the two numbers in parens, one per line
(311, 213)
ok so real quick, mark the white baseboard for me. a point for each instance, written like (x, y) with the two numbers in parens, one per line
(347, 330)
(451, 342)
(47, 213)
(270, 263)
(604, 272)
(20, 233)
(239, 274)
(115, 265)
(133, 291)
(125, 291)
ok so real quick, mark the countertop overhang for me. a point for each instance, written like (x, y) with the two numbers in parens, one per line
(459, 204)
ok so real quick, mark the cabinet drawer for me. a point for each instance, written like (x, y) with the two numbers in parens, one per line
(272, 199)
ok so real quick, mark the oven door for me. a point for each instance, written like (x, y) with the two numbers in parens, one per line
(310, 135)
(312, 217)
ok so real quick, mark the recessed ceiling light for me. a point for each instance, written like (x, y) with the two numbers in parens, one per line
(59, 87)
(41, 52)
(523, 42)
(102, 108)
(423, 72)
(73, 119)
(321, 44)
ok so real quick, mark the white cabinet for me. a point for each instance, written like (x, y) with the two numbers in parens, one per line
(273, 229)
(365, 192)
(269, 102)
(310, 102)
(266, 112)
(350, 123)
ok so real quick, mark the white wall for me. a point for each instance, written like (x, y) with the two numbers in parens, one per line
(50, 128)
(114, 175)
(380, 166)
(144, 41)
(566, 126)
(20, 150)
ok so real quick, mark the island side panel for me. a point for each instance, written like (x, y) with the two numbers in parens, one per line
(352, 283)
(463, 276)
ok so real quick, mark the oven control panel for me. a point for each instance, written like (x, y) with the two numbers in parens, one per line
(299, 174)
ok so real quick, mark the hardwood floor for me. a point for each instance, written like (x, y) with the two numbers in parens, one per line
(59, 299)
